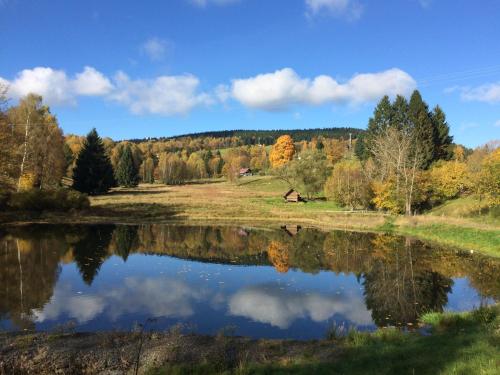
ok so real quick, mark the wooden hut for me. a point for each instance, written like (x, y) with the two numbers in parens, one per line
(291, 230)
(292, 196)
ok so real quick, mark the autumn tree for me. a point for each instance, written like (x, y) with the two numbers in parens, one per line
(41, 160)
(308, 172)
(348, 185)
(282, 151)
(93, 173)
(488, 181)
(147, 170)
(448, 179)
(126, 172)
(172, 169)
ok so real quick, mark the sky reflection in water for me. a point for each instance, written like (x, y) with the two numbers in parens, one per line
(262, 283)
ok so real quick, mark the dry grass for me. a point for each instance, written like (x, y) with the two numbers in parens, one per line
(252, 200)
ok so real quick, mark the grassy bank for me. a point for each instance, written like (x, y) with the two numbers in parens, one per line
(449, 343)
(257, 201)
(456, 343)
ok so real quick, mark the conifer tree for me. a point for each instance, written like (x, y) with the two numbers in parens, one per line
(443, 139)
(93, 173)
(382, 118)
(126, 173)
(423, 130)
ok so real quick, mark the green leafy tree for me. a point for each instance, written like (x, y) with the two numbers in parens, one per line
(93, 173)
(126, 172)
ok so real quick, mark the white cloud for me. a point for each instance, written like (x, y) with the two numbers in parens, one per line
(204, 3)
(270, 304)
(91, 82)
(283, 88)
(52, 84)
(497, 124)
(164, 95)
(155, 48)
(351, 9)
(55, 87)
(489, 93)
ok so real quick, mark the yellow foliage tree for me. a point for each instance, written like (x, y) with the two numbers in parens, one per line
(449, 179)
(282, 151)
(488, 184)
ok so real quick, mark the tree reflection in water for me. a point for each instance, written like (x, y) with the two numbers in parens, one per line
(402, 278)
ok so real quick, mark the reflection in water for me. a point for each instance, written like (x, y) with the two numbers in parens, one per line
(157, 297)
(270, 303)
(105, 274)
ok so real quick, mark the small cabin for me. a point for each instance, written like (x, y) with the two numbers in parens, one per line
(245, 172)
(292, 196)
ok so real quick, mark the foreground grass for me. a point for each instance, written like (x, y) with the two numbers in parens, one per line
(457, 343)
(482, 240)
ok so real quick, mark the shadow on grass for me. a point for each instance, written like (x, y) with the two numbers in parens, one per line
(138, 211)
(135, 192)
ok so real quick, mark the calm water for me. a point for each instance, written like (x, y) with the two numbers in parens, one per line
(273, 283)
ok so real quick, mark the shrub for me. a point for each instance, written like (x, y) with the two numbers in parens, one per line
(40, 200)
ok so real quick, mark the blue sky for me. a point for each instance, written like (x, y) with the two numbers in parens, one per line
(159, 68)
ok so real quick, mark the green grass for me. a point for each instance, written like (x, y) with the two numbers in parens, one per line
(483, 240)
(264, 184)
(458, 343)
(468, 207)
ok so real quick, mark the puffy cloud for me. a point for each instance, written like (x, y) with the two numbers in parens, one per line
(489, 93)
(165, 95)
(55, 86)
(279, 90)
(269, 304)
(351, 9)
(91, 82)
(155, 48)
(52, 84)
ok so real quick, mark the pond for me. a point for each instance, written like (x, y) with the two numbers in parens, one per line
(264, 283)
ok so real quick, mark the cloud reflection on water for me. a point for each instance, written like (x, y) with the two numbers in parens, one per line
(270, 303)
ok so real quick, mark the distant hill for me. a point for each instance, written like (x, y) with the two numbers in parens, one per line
(268, 137)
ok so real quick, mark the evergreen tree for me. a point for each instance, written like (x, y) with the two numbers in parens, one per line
(443, 139)
(382, 118)
(400, 116)
(93, 173)
(126, 172)
(360, 149)
(422, 128)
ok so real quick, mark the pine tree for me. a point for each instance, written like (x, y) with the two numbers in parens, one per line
(382, 119)
(360, 149)
(423, 129)
(443, 139)
(400, 119)
(126, 172)
(93, 173)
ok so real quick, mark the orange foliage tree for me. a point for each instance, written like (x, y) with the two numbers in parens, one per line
(282, 151)
(277, 253)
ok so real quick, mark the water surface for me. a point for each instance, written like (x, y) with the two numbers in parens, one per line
(276, 283)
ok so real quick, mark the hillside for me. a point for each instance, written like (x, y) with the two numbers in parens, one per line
(267, 137)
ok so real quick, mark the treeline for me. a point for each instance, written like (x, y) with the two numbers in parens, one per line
(265, 137)
(405, 162)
